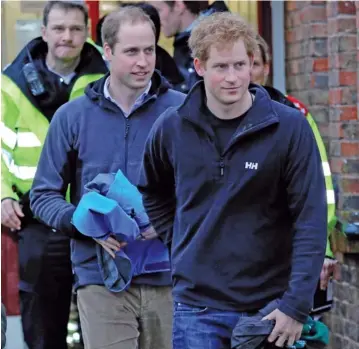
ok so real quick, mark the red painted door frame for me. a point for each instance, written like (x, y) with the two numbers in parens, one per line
(9, 273)
(94, 15)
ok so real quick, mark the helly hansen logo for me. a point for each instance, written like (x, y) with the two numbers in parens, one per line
(251, 165)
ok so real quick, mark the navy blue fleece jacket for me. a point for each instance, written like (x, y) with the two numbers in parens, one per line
(246, 225)
(88, 136)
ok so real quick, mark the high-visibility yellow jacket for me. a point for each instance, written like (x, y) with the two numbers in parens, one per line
(326, 169)
(99, 48)
(24, 126)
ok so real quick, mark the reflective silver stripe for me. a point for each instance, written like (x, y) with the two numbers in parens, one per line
(21, 172)
(21, 139)
(326, 169)
(27, 140)
(8, 136)
(330, 197)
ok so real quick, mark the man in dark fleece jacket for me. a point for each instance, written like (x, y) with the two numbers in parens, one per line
(102, 132)
(233, 182)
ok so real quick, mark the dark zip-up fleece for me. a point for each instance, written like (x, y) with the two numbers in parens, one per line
(88, 136)
(247, 225)
(182, 53)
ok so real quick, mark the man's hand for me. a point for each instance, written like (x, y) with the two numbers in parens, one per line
(111, 245)
(10, 214)
(331, 267)
(286, 330)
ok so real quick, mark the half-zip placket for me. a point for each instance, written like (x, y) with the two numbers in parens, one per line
(127, 127)
(127, 130)
(221, 166)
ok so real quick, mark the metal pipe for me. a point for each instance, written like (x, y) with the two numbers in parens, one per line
(278, 45)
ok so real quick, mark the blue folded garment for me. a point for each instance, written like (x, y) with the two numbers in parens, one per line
(130, 199)
(98, 217)
(112, 206)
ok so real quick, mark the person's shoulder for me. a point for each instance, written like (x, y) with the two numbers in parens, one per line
(74, 105)
(298, 104)
(287, 114)
(72, 109)
(174, 97)
(167, 121)
(170, 115)
(294, 127)
(292, 123)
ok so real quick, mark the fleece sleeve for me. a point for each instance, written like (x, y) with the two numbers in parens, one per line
(156, 181)
(53, 176)
(306, 195)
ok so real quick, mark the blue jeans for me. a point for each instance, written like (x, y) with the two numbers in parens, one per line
(202, 327)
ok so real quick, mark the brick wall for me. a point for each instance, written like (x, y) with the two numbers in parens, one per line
(343, 320)
(322, 69)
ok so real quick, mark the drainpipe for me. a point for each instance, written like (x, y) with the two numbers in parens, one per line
(278, 45)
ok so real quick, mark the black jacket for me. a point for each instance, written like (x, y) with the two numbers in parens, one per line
(278, 96)
(182, 53)
(168, 68)
(243, 224)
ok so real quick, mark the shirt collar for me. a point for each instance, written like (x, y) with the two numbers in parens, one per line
(138, 101)
(63, 78)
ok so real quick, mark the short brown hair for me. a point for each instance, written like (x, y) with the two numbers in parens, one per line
(113, 22)
(66, 6)
(195, 7)
(263, 49)
(220, 29)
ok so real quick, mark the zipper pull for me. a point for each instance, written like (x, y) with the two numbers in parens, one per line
(221, 165)
(127, 129)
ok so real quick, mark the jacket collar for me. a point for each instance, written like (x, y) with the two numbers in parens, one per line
(95, 91)
(91, 61)
(259, 116)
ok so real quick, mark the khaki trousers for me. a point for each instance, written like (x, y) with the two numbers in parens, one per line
(138, 318)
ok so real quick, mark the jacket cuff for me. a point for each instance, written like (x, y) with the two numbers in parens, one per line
(65, 222)
(296, 311)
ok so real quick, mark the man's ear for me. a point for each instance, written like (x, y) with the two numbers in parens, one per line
(43, 33)
(107, 51)
(251, 60)
(199, 66)
(266, 70)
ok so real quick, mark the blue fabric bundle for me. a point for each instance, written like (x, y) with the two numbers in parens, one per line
(112, 206)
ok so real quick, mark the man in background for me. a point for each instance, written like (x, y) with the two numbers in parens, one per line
(48, 72)
(177, 20)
